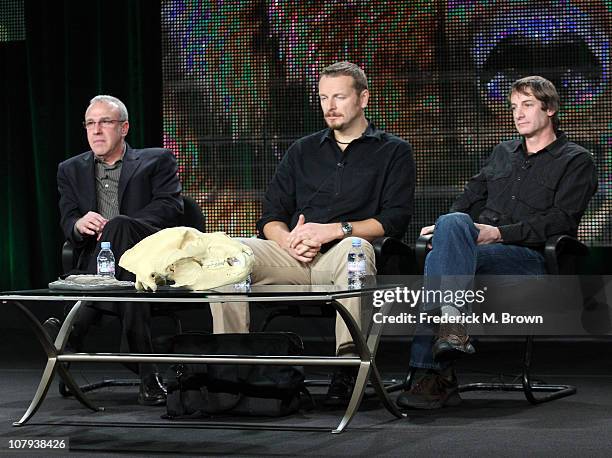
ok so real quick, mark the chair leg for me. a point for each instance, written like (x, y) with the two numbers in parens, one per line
(405, 385)
(65, 392)
(527, 386)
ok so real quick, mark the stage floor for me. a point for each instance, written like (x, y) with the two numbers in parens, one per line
(486, 423)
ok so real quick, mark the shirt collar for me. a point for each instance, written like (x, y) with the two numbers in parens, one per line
(554, 148)
(371, 131)
(97, 160)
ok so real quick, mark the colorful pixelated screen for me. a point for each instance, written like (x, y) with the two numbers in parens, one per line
(240, 82)
(12, 26)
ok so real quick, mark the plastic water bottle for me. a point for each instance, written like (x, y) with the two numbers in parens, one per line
(106, 261)
(356, 265)
(244, 286)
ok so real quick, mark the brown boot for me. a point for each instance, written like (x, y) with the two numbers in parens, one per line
(452, 343)
(433, 391)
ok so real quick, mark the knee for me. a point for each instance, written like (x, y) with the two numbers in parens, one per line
(116, 224)
(453, 221)
(346, 244)
(368, 249)
(256, 245)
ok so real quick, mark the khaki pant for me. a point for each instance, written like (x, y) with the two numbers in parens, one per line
(273, 265)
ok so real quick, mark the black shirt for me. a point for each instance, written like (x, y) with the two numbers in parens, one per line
(531, 197)
(373, 178)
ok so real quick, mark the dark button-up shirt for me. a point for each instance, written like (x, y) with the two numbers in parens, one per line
(531, 197)
(373, 177)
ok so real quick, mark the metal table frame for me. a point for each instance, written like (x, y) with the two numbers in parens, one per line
(366, 346)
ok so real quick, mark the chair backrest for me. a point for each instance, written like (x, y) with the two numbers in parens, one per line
(393, 257)
(192, 215)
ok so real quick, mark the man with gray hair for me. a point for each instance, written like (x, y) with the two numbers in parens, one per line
(117, 194)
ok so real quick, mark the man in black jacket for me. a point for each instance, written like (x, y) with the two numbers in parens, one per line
(117, 194)
(530, 189)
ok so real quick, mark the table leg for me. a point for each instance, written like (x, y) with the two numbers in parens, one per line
(75, 390)
(382, 393)
(373, 341)
(52, 363)
(355, 401)
(60, 344)
(64, 333)
(364, 350)
(41, 392)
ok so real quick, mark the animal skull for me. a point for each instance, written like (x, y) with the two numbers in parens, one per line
(190, 258)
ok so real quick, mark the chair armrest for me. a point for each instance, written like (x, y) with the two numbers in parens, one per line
(421, 248)
(560, 252)
(393, 257)
(67, 257)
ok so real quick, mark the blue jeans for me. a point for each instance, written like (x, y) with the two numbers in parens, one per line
(455, 253)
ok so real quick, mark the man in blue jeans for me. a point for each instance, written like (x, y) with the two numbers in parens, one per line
(531, 188)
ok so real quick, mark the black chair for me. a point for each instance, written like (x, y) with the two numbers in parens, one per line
(192, 217)
(561, 253)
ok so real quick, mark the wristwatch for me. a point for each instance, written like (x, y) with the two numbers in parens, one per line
(347, 228)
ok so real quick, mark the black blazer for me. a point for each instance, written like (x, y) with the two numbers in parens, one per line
(149, 189)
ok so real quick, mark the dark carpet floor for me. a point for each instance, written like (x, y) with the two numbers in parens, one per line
(486, 423)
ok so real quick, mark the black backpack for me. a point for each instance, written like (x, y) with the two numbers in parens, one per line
(200, 390)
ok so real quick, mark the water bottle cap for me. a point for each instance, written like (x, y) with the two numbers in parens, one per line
(105, 245)
(356, 242)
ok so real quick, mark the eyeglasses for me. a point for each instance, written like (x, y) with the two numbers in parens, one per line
(104, 123)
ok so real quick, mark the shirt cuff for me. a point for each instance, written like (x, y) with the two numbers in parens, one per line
(78, 237)
(265, 220)
(511, 233)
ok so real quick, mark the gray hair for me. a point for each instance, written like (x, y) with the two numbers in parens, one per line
(123, 113)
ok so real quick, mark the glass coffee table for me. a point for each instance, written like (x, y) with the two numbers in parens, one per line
(365, 345)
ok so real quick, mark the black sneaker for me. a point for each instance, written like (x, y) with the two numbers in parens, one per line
(341, 387)
(432, 391)
(52, 327)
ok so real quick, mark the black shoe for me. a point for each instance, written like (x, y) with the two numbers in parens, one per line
(52, 327)
(452, 343)
(432, 391)
(152, 391)
(341, 387)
